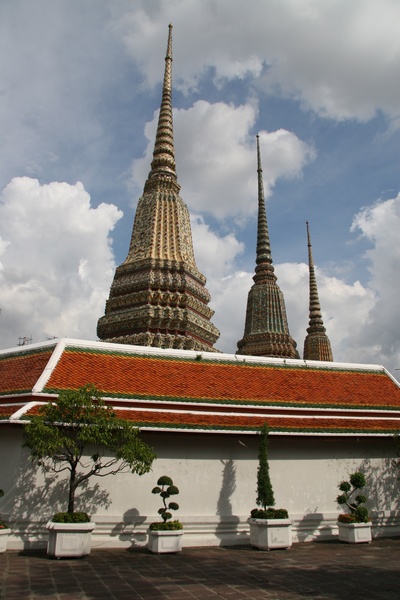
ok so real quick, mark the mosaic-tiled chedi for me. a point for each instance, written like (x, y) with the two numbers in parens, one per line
(158, 296)
(266, 331)
(316, 345)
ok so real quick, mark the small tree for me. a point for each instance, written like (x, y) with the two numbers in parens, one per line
(358, 513)
(165, 488)
(265, 493)
(78, 421)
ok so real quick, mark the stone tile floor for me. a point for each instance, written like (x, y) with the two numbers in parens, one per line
(318, 570)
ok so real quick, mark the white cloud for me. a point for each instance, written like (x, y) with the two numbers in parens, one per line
(216, 254)
(218, 169)
(340, 58)
(216, 258)
(229, 300)
(56, 262)
(345, 308)
(379, 224)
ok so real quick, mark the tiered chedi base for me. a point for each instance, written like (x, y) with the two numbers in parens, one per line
(317, 347)
(161, 303)
(266, 330)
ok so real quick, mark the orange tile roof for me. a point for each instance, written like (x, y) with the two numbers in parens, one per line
(6, 412)
(157, 377)
(183, 391)
(281, 423)
(20, 371)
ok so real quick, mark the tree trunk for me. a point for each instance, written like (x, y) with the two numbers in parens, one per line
(71, 491)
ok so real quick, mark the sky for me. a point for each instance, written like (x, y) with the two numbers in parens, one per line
(80, 90)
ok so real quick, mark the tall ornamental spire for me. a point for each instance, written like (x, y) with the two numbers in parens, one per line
(163, 163)
(266, 331)
(316, 345)
(158, 297)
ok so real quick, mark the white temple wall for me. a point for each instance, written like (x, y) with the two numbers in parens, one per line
(216, 475)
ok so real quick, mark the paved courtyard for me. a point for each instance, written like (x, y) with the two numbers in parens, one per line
(319, 570)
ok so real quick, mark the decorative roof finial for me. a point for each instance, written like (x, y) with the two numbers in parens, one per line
(163, 164)
(263, 252)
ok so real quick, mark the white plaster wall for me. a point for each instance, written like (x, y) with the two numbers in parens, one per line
(216, 475)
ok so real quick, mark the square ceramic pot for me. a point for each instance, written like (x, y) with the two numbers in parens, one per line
(4, 533)
(165, 541)
(69, 540)
(355, 533)
(268, 534)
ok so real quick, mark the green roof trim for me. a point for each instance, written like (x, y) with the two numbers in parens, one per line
(28, 352)
(147, 425)
(14, 392)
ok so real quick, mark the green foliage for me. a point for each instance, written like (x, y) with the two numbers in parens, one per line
(344, 486)
(75, 517)
(361, 499)
(358, 513)
(164, 480)
(269, 513)
(165, 488)
(166, 526)
(78, 420)
(265, 493)
(361, 514)
(357, 480)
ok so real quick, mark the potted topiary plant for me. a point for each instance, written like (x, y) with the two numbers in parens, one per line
(166, 535)
(81, 435)
(4, 531)
(354, 526)
(269, 527)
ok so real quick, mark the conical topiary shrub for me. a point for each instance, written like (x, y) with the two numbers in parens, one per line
(265, 493)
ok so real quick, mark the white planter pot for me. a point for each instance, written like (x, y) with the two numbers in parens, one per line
(69, 540)
(165, 541)
(355, 533)
(267, 534)
(4, 533)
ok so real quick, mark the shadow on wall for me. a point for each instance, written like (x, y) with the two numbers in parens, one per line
(383, 491)
(311, 527)
(32, 503)
(383, 484)
(227, 528)
(126, 530)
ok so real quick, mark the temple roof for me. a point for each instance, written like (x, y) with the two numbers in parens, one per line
(185, 390)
